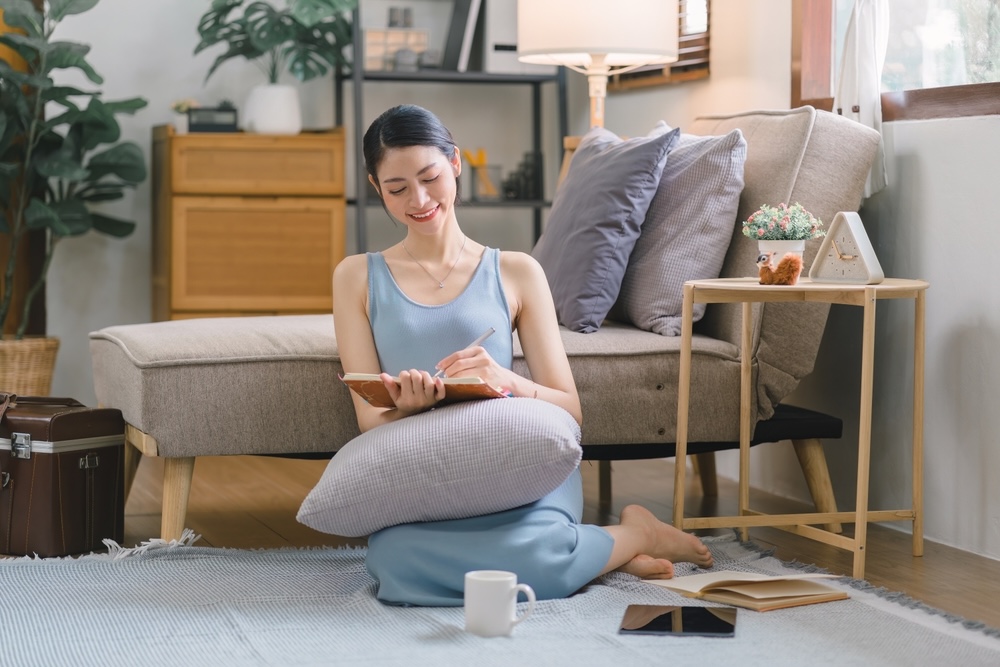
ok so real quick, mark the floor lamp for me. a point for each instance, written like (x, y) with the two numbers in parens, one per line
(597, 38)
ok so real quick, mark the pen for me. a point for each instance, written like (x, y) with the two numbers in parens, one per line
(479, 341)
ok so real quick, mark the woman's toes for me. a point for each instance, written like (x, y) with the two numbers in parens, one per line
(647, 567)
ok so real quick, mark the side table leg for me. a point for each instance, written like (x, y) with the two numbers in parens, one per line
(746, 379)
(683, 399)
(919, 315)
(864, 433)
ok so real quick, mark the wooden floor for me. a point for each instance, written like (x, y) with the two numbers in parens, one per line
(250, 502)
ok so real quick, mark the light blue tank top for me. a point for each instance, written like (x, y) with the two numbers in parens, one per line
(414, 335)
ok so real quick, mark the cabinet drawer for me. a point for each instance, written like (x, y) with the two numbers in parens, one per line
(249, 164)
(254, 253)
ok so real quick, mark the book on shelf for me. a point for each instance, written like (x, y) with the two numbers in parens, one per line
(458, 45)
(760, 592)
(369, 386)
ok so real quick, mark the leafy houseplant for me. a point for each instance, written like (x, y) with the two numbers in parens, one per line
(307, 37)
(59, 145)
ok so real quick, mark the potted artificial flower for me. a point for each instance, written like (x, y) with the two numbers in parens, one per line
(59, 154)
(782, 229)
(306, 37)
(180, 109)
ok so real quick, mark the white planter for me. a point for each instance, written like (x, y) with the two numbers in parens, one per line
(780, 248)
(273, 109)
(180, 123)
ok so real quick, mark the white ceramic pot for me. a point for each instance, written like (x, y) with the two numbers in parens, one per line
(180, 123)
(273, 109)
(780, 248)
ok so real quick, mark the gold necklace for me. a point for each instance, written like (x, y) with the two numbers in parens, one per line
(439, 282)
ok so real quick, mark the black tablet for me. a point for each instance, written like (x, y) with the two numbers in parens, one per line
(645, 619)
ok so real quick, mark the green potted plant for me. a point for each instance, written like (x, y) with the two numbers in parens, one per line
(782, 228)
(60, 154)
(306, 37)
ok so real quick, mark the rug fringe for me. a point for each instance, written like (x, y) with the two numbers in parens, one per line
(117, 552)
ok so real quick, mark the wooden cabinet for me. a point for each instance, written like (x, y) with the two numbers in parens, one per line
(246, 224)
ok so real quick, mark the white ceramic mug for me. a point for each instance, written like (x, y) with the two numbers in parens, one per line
(491, 602)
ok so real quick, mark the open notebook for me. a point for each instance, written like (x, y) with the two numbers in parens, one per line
(760, 592)
(369, 387)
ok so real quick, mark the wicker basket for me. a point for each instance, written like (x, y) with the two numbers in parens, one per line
(26, 365)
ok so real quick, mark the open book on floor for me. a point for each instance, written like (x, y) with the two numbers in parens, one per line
(369, 387)
(760, 592)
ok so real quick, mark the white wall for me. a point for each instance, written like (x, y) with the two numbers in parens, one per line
(937, 221)
(141, 49)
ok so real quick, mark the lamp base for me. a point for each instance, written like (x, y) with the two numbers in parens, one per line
(598, 91)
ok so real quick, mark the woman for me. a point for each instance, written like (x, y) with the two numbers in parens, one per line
(405, 311)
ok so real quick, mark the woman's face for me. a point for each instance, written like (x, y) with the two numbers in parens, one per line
(418, 186)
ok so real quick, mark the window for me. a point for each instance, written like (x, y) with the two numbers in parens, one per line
(943, 58)
(936, 43)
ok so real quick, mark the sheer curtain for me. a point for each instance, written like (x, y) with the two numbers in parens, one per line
(858, 94)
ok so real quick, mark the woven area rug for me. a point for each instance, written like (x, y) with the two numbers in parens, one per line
(182, 605)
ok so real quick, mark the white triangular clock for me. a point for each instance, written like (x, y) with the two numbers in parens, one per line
(846, 254)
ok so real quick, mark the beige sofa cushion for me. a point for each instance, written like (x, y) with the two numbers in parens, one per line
(627, 379)
(249, 385)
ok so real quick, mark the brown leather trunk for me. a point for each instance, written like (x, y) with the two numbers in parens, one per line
(61, 476)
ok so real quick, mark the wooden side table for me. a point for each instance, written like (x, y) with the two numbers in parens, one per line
(748, 291)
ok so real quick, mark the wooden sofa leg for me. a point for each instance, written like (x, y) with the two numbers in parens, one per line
(704, 464)
(177, 474)
(133, 457)
(604, 486)
(813, 463)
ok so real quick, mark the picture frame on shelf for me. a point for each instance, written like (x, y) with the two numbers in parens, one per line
(459, 52)
(212, 119)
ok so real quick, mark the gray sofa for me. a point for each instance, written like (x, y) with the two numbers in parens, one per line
(269, 385)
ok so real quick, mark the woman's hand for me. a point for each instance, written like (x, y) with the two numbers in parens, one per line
(417, 390)
(475, 362)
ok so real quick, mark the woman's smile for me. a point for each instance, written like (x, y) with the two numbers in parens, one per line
(425, 215)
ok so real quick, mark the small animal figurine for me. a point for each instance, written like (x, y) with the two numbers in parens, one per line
(785, 273)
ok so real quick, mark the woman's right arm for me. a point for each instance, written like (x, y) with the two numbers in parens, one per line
(355, 341)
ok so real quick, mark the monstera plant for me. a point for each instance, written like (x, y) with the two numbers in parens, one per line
(306, 37)
(60, 152)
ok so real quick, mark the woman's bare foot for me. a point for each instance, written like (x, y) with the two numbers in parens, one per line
(647, 567)
(667, 542)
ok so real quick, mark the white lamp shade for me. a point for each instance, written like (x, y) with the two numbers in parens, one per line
(627, 33)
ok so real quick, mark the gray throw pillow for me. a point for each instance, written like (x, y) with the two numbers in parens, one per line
(595, 220)
(687, 230)
(457, 461)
